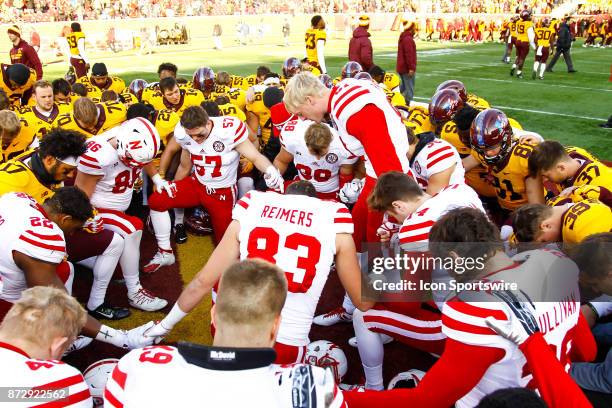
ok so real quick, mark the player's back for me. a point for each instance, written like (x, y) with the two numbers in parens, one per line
(297, 233)
(436, 157)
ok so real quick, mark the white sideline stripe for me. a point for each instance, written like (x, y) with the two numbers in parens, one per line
(532, 111)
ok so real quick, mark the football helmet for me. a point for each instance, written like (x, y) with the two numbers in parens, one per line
(489, 129)
(291, 66)
(444, 106)
(137, 142)
(363, 75)
(350, 69)
(204, 79)
(323, 353)
(96, 376)
(454, 85)
(525, 15)
(407, 379)
(545, 22)
(199, 222)
(326, 80)
(137, 86)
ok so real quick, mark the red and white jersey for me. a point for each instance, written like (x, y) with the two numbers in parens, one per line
(297, 233)
(25, 228)
(215, 160)
(19, 370)
(347, 98)
(414, 232)
(114, 190)
(323, 173)
(436, 157)
(543, 275)
(199, 376)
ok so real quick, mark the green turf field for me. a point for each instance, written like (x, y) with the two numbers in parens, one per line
(565, 107)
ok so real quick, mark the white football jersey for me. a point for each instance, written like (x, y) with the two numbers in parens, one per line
(215, 160)
(414, 232)
(436, 157)
(297, 233)
(114, 190)
(323, 173)
(543, 275)
(25, 228)
(199, 376)
(19, 370)
(348, 97)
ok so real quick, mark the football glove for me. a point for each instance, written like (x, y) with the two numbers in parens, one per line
(157, 332)
(273, 179)
(95, 224)
(522, 322)
(350, 191)
(162, 185)
(124, 339)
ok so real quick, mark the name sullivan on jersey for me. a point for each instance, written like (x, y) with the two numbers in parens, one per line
(553, 318)
(284, 214)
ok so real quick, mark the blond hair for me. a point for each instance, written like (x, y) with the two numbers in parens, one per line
(223, 78)
(43, 313)
(85, 111)
(300, 86)
(9, 126)
(41, 83)
(318, 138)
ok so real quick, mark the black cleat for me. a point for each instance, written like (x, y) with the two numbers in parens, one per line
(519, 76)
(573, 71)
(512, 71)
(180, 235)
(105, 311)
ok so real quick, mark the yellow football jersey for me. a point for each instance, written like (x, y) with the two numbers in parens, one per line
(391, 81)
(14, 95)
(591, 172)
(315, 71)
(238, 97)
(94, 91)
(419, 121)
(73, 42)
(258, 108)
(35, 124)
(580, 153)
(395, 98)
(237, 81)
(249, 81)
(229, 109)
(111, 114)
(509, 176)
(189, 97)
(128, 98)
(478, 102)
(17, 176)
(311, 38)
(521, 30)
(165, 121)
(544, 36)
(584, 219)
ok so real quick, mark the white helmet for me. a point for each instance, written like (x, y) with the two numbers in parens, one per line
(138, 142)
(323, 353)
(96, 376)
(407, 379)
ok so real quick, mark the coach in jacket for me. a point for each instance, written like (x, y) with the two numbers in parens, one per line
(564, 45)
(360, 46)
(407, 60)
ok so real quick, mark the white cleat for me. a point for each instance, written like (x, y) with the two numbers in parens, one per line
(385, 338)
(78, 343)
(161, 258)
(338, 315)
(147, 301)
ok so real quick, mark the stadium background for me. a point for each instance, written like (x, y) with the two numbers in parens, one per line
(563, 107)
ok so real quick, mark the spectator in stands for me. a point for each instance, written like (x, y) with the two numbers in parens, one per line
(407, 60)
(23, 53)
(564, 45)
(360, 46)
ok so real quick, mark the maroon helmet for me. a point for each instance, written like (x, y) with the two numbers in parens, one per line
(444, 106)
(326, 80)
(204, 79)
(137, 86)
(454, 85)
(291, 66)
(525, 15)
(350, 69)
(489, 129)
(363, 75)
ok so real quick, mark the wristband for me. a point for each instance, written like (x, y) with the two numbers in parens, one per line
(157, 178)
(175, 316)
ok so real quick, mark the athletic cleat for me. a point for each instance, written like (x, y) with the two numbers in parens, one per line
(78, 343)
(147, 301)
(338, 315)
(161, 258)
(180, 235)
(385, 338)
(541, 77)
(352, 387)
(512, 71)
(533, 75)
(106, 311)
(519, 76)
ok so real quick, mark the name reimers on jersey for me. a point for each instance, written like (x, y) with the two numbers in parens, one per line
(297, 233)
(215, 160)
(26, 229)
(348, 97)
(323, 173)
(436, 157)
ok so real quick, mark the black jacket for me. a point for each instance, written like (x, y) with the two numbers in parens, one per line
(565, 36)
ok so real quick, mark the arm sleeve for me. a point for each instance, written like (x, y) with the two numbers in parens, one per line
(531, 36)
(321, 55)
(458, 361)
(584, 347)
(594, 377)
(81, 47)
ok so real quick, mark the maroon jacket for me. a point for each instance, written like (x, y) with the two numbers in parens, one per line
(406, 53)
(23, 53)
(360, 48)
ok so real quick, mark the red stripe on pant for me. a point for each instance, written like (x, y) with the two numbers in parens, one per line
(63, 271)
(286, 354)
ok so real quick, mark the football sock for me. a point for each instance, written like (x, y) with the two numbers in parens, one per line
(129, 261)
(103, 267)
(513, 66)
(347, 304)
(542, 69)
(162, 226)
(179, 216)
(535, 66)
(519, 72)
(371, 352)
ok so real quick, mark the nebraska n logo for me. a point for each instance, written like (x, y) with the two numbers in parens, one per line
(135, 144)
